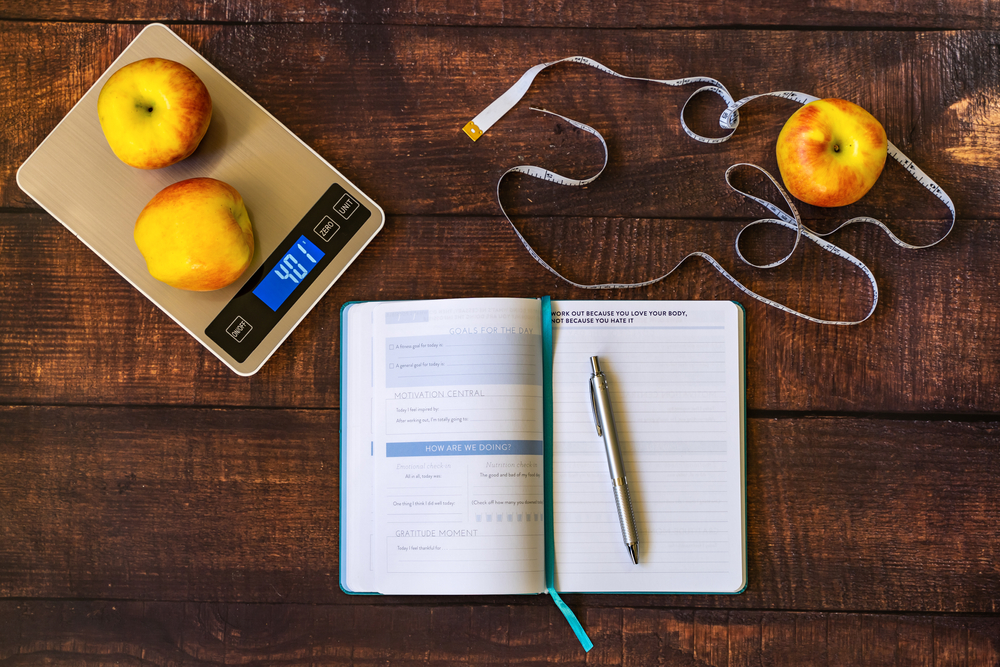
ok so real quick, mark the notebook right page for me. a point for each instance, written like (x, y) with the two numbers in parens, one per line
(676, 376)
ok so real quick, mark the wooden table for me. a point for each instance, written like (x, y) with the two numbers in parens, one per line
(155, 508)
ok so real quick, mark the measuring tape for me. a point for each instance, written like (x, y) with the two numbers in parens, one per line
(729, 120)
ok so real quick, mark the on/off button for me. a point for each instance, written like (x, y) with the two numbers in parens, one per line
(239, 329)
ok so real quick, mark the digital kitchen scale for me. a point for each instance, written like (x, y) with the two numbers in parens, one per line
(309, 221)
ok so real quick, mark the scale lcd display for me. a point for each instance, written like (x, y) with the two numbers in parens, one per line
(288, 273)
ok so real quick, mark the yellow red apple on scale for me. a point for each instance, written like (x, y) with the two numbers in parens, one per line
(196, 235)
(830, 152)
(154, 112)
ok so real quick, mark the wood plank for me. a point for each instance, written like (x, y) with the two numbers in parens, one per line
(916, 642)
(155, 498)
(583, 14)
(386, 104)
(745, 633)
(711, 637)
(173, 633)
(928, 348)
(241, 506)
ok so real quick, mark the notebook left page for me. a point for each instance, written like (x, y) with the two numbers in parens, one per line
(356, 459)
(456, 447)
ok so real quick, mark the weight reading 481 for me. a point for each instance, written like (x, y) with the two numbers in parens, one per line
(281, 281)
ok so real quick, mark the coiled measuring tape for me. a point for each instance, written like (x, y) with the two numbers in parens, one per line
(729, 120)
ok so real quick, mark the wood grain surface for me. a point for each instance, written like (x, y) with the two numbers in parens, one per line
(157, 509)
(167, 633)
(931, 347)
(917, 14)
(241, 505)
(392, 118)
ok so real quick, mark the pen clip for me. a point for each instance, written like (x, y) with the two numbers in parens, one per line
(593, 406)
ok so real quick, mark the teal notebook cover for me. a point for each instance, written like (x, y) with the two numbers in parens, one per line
(614, 314)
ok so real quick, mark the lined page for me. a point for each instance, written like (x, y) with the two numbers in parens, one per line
(675, 371)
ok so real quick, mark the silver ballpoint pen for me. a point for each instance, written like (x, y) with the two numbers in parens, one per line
(605, 422)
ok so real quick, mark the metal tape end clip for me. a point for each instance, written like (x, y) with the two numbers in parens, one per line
(472, 130)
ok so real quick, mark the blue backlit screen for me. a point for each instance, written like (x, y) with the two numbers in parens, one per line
(288, 273)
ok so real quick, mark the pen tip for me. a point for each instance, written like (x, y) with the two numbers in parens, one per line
(633, 550)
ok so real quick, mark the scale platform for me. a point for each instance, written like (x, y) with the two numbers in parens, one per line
(309, 221)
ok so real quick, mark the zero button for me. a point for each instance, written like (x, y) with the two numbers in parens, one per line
(327, 228)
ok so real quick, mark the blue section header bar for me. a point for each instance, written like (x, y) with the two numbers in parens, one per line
(465, 448)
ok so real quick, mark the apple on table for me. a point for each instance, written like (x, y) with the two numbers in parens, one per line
(154, 112)
(830, 152)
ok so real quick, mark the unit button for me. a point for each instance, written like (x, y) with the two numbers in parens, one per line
(327, 228)
(346, 206)
(239, 329)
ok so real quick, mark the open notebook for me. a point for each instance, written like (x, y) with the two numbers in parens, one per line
(470, 463)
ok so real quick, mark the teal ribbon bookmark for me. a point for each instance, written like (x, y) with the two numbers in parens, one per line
(550, 542)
